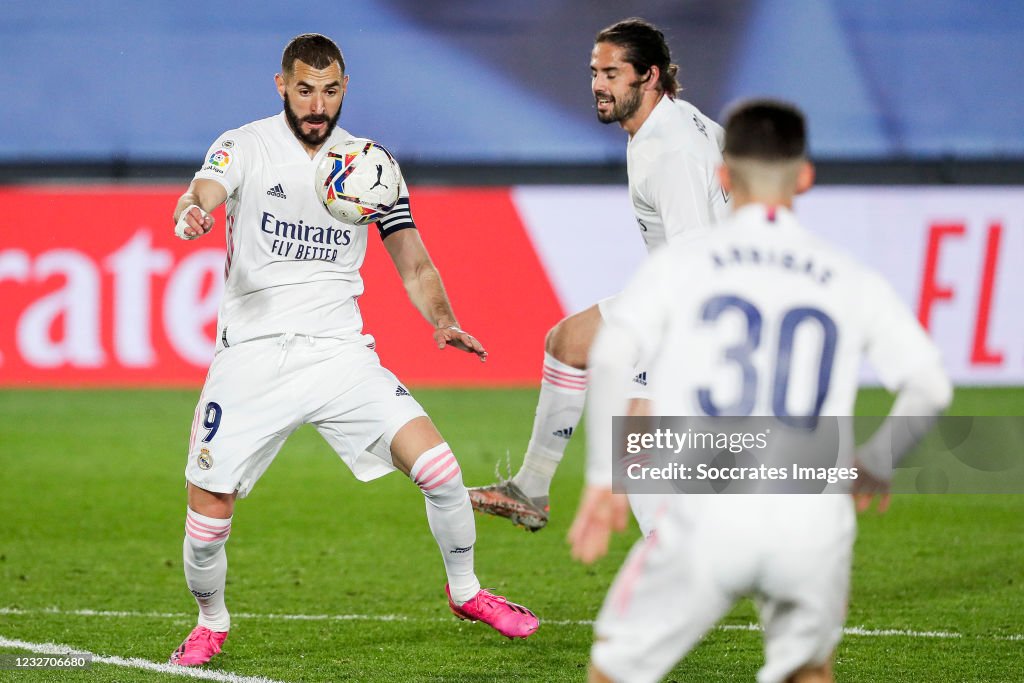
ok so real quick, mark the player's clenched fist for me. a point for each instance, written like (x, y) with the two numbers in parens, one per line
(192, 223)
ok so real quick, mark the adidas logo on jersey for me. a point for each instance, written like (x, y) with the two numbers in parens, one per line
(401, 391)
(564, 433)
(641, 379)
(277, 191)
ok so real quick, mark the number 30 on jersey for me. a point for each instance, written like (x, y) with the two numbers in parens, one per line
(740, 354)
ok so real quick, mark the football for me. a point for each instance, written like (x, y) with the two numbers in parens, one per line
(358, 181)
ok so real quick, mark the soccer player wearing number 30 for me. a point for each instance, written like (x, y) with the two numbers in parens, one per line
(758, 317)
(291, 350)
(671, 159)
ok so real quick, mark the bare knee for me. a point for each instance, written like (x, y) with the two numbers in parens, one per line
(570, 340)
(210, 503)
(415, 438)
(556, 342)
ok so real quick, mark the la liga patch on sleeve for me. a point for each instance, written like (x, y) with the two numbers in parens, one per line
(219, 160)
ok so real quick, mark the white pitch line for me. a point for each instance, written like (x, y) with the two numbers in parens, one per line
(182, 615)
(877, 633)
(134, 662)
(849, 631)
(92, 613)
(861, 631)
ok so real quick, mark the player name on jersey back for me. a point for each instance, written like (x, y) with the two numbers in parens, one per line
(794, 261)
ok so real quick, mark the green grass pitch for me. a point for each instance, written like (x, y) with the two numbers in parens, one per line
(91, 515)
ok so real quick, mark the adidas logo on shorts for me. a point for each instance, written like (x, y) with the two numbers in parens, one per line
(641, 379)
(277, 191)
(564, 433)
(401, 391)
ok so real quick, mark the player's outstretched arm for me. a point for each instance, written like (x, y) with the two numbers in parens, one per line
(922, 398)
(192, 217)
(909, 364)
(617, 348)
(426, 291)
(601, 511)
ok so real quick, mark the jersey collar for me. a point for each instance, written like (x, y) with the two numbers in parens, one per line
(772, 216)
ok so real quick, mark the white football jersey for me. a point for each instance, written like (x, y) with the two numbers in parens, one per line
(672, 163)
(762, 317)
(291, 266)
(755, 318)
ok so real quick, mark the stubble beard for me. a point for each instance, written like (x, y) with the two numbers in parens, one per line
(312, 138)
(624, 108)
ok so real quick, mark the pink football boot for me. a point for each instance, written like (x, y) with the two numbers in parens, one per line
(199, 647)
(507, 618)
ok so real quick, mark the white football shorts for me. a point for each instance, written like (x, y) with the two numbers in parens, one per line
(792, 553)
(258, 392)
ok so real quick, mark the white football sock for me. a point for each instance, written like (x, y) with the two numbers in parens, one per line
(206, 567)
(563, 392)
(450, 516)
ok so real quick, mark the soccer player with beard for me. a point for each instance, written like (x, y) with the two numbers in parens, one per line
(671, 159)
(291, 350)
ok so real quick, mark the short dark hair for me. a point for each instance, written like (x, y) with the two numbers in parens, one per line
(645, 47)
(311, 48)
(766, 130)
